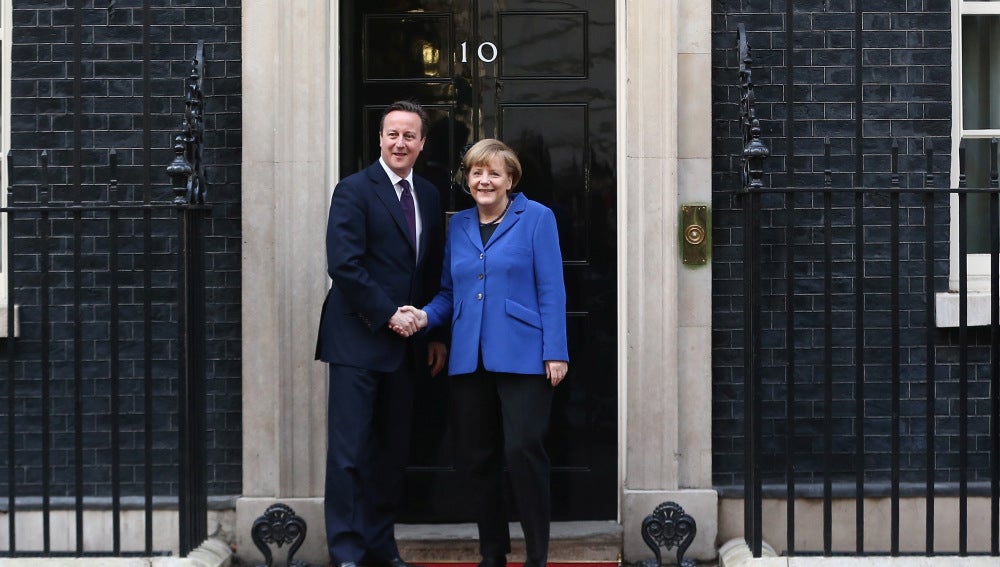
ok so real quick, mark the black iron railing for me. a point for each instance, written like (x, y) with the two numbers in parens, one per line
(103, 390)
(843, 267)
(866, 395)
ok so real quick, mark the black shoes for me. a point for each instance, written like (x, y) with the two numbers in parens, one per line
(500, 561)
(397, 562)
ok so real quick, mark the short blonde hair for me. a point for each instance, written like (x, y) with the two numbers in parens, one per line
(483, 152)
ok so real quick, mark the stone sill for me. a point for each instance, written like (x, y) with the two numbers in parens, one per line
(946, 306)
(3, 321)
(736, 553)
(211, 553)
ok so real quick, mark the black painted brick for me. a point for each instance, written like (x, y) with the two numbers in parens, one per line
(43, 117)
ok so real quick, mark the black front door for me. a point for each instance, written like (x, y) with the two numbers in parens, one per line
(539, 75)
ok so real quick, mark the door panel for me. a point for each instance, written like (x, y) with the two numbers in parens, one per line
(539, 75)
(551, 143)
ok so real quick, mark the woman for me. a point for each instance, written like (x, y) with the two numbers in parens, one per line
(502, 291)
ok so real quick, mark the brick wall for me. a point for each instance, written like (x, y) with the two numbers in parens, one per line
(77, 112)
(902, 93)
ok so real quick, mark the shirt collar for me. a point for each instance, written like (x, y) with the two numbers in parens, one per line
(393, 178)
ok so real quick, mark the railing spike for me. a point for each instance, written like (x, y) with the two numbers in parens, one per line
(10, 177)
(46, 180)
(961, 163)
(827, 163)
(113, 176)
(993, 164)
(929, 152)
(894, 164)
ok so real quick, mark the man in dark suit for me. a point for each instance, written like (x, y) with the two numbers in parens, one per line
(384, 244)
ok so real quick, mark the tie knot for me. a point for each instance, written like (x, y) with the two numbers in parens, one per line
(404, 185)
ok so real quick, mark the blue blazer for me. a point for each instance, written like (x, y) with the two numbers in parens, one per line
(371, 259)
(507, 296)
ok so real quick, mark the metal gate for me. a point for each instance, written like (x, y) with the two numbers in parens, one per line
(843, 347)
(102, 396)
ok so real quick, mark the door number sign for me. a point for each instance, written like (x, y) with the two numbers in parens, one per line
(484, 47)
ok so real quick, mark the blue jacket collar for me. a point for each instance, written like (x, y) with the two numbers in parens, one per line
(471, 224)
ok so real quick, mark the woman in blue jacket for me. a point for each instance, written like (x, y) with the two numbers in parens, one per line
(502, 291)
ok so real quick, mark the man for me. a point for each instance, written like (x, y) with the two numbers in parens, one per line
(384, 245)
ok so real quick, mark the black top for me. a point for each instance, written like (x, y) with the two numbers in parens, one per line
(487, 230)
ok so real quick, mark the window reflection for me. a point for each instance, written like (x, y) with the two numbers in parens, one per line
(981, 72)
(980, 111)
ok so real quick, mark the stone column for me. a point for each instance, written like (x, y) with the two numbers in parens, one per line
(287, 111)
(665, 307)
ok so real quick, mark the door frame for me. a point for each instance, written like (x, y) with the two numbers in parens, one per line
(290, 78)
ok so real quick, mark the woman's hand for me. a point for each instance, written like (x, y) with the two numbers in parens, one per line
(555, 371)
(437, 355)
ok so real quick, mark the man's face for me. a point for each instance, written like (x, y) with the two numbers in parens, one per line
(401, 141)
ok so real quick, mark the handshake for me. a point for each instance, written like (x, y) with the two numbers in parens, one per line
(407, 320)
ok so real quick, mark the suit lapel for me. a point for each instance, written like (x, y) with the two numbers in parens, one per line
(470, 226)
(387, 194)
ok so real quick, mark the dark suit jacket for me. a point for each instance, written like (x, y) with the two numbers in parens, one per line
(371, 260)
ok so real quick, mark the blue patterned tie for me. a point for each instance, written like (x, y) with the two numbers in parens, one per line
(406, 201)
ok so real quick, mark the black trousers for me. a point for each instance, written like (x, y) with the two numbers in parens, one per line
(369, 418)
(504, 417)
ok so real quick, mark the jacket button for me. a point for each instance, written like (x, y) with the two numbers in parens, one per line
(481, 256)
(479, 296)
(480, 276)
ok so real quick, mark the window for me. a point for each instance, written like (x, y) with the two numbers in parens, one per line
(975, 121)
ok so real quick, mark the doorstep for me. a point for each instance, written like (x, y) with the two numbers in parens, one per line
(570, 542)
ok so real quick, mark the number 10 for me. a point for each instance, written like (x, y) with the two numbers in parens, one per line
(482, 56)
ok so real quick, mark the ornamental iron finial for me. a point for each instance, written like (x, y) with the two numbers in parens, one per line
(755, 151)
(187, 170)
(279, 525)
(669, 526)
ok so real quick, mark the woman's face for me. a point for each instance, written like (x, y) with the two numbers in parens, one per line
(489, 183)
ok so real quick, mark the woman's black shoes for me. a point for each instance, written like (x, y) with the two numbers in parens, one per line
(500, 561)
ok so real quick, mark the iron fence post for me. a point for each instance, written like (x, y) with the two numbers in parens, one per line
(187, 173)
(193, 489)
(754, 154)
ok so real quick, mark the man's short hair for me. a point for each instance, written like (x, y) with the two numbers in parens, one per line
(407, 106)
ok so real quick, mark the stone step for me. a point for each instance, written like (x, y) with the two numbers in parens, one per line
(570, 542)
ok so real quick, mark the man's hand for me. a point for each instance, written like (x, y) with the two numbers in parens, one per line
(437, 354)
(408, 320)
(555, 371)
(404, 323)
(420, 314)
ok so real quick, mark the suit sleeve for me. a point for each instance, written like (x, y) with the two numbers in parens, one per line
(550, 287)
(345, 249)
(440, 308)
